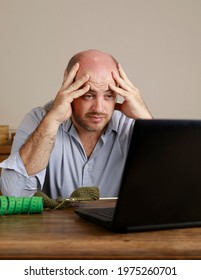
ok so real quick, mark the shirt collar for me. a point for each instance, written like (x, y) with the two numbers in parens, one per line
(113, 123)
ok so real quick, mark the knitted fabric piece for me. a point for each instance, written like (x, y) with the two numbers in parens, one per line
(80, 194)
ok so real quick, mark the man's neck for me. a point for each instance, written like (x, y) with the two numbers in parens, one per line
(89, 141)
(88, 138)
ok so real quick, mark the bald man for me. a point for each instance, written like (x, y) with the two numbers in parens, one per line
(79, 139)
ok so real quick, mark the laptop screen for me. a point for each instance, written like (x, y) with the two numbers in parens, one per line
(162, 177)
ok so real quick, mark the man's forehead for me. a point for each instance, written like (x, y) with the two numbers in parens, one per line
(94, 85)
(97, 72)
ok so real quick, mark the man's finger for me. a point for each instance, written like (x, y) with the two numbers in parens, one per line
(124, 85)
(78, 84)
(124, 76)
(78, 93)
(118, 90)
(70, 77)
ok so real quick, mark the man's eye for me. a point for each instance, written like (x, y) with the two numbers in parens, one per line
(87, 96)
(110, 96)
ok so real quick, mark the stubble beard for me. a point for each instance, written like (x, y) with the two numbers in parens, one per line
(84, 124)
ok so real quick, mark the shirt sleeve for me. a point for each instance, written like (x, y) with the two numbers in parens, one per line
(14, 178)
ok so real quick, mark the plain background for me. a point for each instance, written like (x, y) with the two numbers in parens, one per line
(158, 43)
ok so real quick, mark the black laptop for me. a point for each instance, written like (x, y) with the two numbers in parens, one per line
(161, 185)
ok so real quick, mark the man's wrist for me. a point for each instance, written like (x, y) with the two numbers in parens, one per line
(49, 126)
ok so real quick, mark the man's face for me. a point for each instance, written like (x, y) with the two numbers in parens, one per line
(93, 110)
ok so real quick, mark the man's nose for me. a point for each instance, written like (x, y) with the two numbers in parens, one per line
(98, 104)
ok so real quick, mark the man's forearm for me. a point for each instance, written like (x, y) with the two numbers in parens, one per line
(35, 153)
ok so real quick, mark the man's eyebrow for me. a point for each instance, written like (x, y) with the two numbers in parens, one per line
(109, 91)
(92, 91)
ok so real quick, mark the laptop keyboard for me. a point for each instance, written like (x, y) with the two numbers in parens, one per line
(107, 213)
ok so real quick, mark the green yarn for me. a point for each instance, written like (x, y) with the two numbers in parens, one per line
(80, 194)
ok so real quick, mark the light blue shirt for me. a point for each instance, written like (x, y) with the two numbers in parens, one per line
(69, 167)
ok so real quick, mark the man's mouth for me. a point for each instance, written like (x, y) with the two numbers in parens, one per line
(96, 116)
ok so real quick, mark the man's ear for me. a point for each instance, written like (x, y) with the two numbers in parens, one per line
(118, 106)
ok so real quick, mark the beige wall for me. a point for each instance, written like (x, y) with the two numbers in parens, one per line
(158, 42)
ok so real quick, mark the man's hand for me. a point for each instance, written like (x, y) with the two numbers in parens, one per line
(35, 153)
(133, 105)
(61, 109)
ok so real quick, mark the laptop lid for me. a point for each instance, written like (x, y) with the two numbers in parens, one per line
(161, 185)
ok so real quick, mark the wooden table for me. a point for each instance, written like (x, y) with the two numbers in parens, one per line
(61, 234)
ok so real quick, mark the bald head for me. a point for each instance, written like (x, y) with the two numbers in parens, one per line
(97, 64)
(91, 57)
